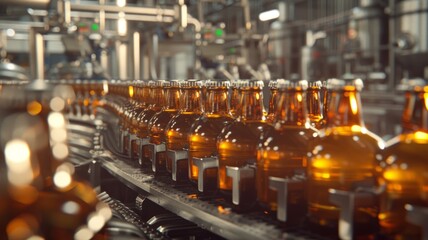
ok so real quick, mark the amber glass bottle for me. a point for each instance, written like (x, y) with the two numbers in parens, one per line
(237, 142)
(283, 152)
(160, 120)
(156, 102)
(177, 131)
(343, 157)
(313, 98)
(273, 101)
(142, 95)
(128, 111)
(204, 132)
(235, 98)
(405, 167)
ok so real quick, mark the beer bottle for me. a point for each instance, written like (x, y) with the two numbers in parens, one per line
(283, 153)
(204, 132)
(178, 128)
(156, 101)
(235, 98)
(343, 157)
(273, 87)
(405, 167)
(313, 99)
(160, 120)
(237, 142)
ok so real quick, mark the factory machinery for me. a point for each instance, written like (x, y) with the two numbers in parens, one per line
(297, 119)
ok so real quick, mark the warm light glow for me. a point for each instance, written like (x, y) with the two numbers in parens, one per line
(58, 135)
(95, 222)
(321, 163)
(299, 97)
(325, 175)
(131, 91)
(19, 228)
(56, 120)
(104, 210)
(60, 150)
(257, 96)
(17, 154)
(122, 27)
(34, 108)
(83, 233)
(121, 3)
(35, 237)
(421, 135)
(67, 167)
(70, 207)
(105, 87)
(62, 179)
(354, 105)
(399, 175)
(57, 104)
(269, 15)
(426, 100)
(356, 128)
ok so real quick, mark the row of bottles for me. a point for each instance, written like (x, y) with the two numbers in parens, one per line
(307, 154)
(39, 197)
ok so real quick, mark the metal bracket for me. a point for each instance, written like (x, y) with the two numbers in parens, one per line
(153, 149)
(243, 179)
(283, 186)
(131, 138)
(202, 164)
(348, 202)
(419, 216)
(175, 157)
(142, 142)
(123, 135)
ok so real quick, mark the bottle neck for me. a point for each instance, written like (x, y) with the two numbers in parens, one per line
(251, 105)
(145, 95)
(192, 100)
(217, 102)
(415, 115)
(344, 108)
(292, 109)
(158, 97)
(314, 104)
(273, 100)
(235, 99)
(173, 98)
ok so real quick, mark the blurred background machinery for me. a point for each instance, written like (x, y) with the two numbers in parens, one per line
(384, 42)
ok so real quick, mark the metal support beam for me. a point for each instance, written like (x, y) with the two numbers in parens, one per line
(37, 49)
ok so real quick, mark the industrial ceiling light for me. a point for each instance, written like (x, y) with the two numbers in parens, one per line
(269, 15)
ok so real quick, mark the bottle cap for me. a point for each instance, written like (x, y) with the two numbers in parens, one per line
(251, 84)
(160, 83)
(289, 85)
(172, 83)
(414, 84)
(191, 83)
(337, 84)
(217, 83)
(315, 84)
(273, 84)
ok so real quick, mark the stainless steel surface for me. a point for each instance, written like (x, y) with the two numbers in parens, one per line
(89, 6)
(37, 58)
(12, 71)
(27, 3)
(413, 20)
(136, 41)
